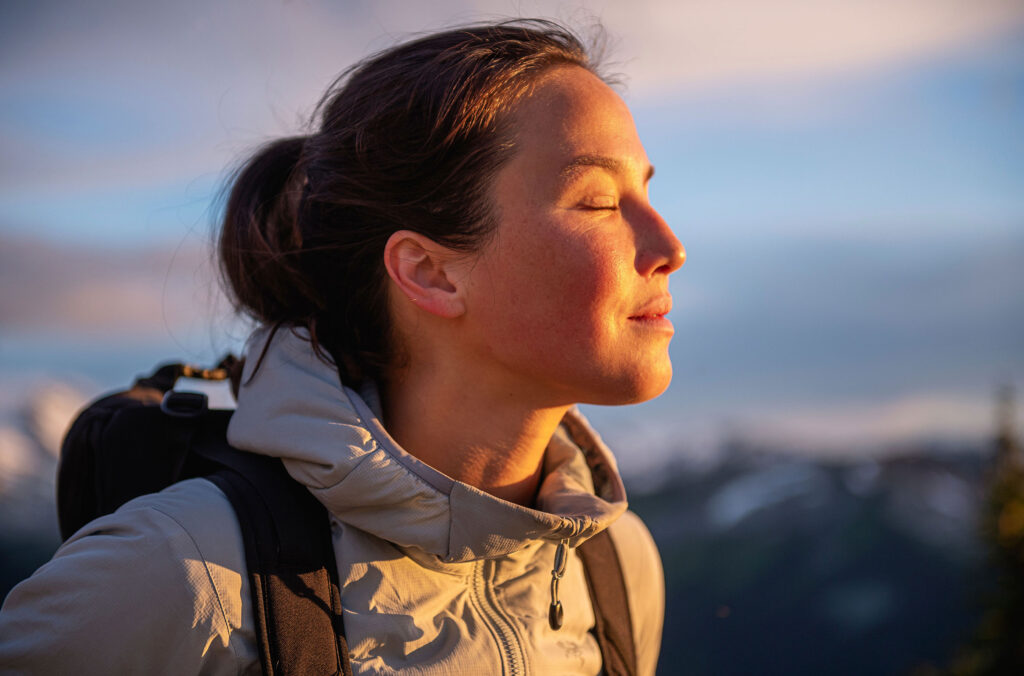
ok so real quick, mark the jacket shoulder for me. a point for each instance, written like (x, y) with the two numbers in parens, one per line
(645, 586)
(156, 587)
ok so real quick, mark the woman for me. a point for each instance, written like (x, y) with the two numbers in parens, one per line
(461, 252)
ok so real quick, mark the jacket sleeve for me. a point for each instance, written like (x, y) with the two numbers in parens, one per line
(131, 592)
(645, 586)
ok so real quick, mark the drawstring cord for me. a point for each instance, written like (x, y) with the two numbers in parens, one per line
(555, 613)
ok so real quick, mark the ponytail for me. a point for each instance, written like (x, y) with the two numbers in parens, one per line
(260, 240)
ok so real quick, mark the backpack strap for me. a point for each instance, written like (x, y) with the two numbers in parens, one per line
(613, 625)
(144, 439)
(293, 576)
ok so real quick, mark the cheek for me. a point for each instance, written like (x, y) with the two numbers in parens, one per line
(595, 275)
(565, 292)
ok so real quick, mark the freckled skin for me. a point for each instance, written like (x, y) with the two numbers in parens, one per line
(558, 304)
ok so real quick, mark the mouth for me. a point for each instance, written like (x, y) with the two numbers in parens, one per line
(653, 314)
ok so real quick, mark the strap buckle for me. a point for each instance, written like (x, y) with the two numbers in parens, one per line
(184, 404)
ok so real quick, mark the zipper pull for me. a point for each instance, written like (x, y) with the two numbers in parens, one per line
(555, 613)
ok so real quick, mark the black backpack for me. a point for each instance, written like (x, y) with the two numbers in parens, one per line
(146, 438)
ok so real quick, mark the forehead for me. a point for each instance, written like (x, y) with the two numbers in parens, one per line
(570, 114)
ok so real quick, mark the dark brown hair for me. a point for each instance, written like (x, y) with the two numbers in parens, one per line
(408, 139)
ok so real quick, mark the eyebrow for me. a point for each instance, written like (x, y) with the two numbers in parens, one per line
(603, 161)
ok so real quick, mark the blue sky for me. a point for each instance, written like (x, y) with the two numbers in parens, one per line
(848, 181)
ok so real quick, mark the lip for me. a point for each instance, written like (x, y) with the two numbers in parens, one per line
(652, 314)
(658, 307)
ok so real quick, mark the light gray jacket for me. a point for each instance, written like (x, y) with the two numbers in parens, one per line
(437, 577)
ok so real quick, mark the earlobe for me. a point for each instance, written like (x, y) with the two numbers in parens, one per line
(421, 268)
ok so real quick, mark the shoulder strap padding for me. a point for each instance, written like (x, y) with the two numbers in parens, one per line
(292, 570)
(613, 625)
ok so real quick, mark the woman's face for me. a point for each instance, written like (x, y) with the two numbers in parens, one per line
(567, 302)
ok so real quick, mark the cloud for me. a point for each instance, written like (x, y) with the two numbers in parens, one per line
(851, 428)
(127, 93)
(672, 46)
(48, 288)
(881, 425)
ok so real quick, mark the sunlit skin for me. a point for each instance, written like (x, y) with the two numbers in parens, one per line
(565, 304)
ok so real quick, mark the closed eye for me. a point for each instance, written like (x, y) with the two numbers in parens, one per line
(600, 204)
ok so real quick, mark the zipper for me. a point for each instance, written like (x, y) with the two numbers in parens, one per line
(513, 660)
(555, 612)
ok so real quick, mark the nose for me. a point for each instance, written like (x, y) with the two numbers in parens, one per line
(658, 250)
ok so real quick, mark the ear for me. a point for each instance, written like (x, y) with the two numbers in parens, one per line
(422, 270)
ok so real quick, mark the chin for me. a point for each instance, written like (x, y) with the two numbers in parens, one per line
(636, 389)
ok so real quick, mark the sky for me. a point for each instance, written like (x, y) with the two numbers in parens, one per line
(847, 177)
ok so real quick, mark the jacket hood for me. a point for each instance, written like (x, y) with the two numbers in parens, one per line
(330, 438)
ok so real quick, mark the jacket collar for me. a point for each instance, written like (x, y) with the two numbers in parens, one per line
(330, 439)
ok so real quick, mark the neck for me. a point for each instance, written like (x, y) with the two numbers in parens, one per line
(471, 432)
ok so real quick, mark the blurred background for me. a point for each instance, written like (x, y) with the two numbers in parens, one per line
(822, 476)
